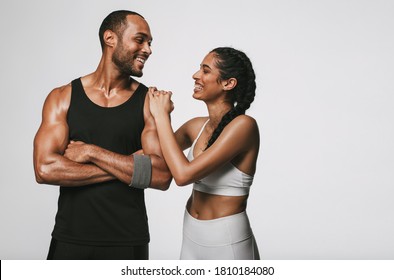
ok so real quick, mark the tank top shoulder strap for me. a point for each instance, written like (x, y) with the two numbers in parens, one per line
(76, 83)
(139, 96)
(142, 89)
(77, 91)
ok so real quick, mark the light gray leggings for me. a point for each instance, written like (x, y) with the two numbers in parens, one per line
(227, 238)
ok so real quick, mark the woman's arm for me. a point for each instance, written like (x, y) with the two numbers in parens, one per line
(236, 138)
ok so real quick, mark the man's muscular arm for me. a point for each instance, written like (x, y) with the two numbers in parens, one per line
(122, 166)
(50, 142)
(150, 144)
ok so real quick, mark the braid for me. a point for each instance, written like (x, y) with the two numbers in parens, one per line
(233, 63)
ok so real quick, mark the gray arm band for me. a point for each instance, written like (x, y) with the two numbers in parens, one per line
(142, 172)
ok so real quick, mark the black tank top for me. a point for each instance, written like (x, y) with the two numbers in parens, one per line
(109, 213)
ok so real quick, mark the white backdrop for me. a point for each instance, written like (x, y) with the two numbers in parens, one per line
(324, 185)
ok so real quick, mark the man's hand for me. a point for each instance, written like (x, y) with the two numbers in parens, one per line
(78, 151)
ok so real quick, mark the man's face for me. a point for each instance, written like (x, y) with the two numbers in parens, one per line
(133, 47)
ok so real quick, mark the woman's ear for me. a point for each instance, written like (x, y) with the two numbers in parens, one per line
(229, 84)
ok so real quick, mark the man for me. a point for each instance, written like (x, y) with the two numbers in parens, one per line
(98, 141)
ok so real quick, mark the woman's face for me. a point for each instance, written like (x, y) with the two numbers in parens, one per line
(207, 85)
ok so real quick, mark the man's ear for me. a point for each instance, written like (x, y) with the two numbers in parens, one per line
(110, 38)
(229, 84)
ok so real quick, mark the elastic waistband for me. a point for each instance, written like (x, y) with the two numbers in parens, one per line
(217, 232)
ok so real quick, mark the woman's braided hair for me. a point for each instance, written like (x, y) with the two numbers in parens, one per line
(233, 63)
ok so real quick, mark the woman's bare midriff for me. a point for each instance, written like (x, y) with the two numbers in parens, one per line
(205, 206)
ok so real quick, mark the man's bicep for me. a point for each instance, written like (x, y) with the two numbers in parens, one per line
(150, 140)
(51, 139)
(52, 136)
(49, 145)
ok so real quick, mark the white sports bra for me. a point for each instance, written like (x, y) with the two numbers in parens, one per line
(227, 180)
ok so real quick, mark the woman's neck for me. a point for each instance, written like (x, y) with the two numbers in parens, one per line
(216, 113)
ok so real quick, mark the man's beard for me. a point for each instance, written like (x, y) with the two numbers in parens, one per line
(124, 61)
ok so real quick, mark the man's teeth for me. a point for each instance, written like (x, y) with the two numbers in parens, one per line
(197, 87)
(140, 60)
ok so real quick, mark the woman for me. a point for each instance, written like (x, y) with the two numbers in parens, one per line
(222, 158)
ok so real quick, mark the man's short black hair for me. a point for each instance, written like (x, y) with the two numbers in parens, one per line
(116, 22)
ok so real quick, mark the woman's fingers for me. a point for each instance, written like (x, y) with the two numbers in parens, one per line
(160, 92)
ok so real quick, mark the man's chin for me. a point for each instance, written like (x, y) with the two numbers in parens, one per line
(137, 74)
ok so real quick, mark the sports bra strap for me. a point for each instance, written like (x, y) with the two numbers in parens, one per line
(202, 129)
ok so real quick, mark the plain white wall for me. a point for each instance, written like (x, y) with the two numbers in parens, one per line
(324, 105)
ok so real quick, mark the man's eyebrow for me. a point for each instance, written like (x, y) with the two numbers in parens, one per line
(146, 36)
(205, 65)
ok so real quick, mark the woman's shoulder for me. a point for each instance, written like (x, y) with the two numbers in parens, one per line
(193, 126)
(242, 131)
(195, 123)
(243, 128)
(244, 121)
